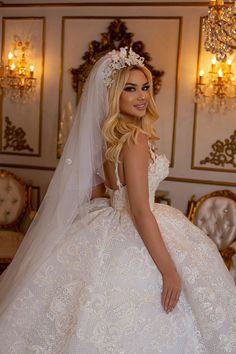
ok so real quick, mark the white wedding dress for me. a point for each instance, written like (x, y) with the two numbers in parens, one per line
(100, 291)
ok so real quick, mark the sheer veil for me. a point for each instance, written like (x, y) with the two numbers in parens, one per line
(79, 170)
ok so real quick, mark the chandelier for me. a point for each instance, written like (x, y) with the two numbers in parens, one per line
(217, 88)
(17, 79)
(220, 29)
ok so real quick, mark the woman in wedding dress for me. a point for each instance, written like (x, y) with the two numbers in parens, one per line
(117, 275)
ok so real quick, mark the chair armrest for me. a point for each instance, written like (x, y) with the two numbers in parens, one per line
(191, 205)
(233, 246)
(227, 255)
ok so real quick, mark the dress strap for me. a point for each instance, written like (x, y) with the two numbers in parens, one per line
(152, 153)
(118, 182)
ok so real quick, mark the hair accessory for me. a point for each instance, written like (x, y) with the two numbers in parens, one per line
(120, 59)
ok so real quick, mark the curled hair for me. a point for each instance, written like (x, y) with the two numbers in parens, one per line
(118, 131)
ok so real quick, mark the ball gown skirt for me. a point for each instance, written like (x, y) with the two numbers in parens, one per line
(99, 291)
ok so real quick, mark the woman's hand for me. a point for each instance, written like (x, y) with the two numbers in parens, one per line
(171, 290)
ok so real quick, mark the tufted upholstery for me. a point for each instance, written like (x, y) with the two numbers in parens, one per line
(217, 218)
(13, 199)
(215, 214)
(15, 204)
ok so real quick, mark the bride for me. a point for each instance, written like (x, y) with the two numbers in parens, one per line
(118, 275)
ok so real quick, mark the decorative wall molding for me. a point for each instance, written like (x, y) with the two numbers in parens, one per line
(200, 181)
(15, 138)
(108, 4)
(165, 54)
(28, 167)
(29, 114)
(224, 152)
(208, 127)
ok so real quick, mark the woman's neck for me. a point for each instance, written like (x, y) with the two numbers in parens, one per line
(131, 119)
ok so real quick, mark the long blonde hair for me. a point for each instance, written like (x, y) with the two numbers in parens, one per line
(118, 131)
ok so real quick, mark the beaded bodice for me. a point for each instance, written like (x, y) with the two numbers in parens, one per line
(158, 170)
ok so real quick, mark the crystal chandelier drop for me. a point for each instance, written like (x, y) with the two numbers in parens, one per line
(17, 79)
(220, 29)
(217, 89)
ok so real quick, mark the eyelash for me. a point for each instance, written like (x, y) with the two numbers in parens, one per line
(132, 89)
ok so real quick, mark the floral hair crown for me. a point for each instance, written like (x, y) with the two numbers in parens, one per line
(120, 59)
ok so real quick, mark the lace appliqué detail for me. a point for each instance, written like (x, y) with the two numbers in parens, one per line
(99, 292)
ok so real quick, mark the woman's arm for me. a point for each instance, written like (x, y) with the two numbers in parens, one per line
(136, 160)
(98, 191)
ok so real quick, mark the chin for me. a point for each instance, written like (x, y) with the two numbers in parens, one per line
(133, 116)
(140, 116)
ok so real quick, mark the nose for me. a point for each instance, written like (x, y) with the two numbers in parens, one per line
(141, 96)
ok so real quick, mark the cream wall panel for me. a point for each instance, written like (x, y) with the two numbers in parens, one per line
(212, 127)
(160, 36)
(27, 116)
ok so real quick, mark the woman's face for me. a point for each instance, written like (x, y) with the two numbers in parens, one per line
(135, 95)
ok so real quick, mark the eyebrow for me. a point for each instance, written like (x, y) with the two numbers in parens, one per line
(130, 83)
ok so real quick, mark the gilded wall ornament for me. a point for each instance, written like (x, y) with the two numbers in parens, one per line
(115, 38)
(224, 152)
(15, 137)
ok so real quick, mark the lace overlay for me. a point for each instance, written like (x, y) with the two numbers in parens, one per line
(99, 291)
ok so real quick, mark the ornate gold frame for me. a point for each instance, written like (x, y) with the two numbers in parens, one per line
(117, 36)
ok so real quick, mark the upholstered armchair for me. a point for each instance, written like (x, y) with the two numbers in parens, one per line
(215, 214)
(16, 213)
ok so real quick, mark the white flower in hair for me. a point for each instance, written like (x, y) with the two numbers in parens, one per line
(120, 59)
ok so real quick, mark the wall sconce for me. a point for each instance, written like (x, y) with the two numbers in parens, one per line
(217, 89)
(17, 79)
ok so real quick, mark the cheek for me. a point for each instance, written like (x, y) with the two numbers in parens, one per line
(125, 102)
(147, 95)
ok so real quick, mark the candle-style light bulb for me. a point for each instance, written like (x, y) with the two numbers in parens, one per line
(31, 70)
(12, 68)
(220, 75)
(213, 64)
(201, 76)
(10, 56)
(229, 64)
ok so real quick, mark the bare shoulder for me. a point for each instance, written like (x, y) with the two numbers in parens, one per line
(142, 139)
(135, 166)
(141, 146)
